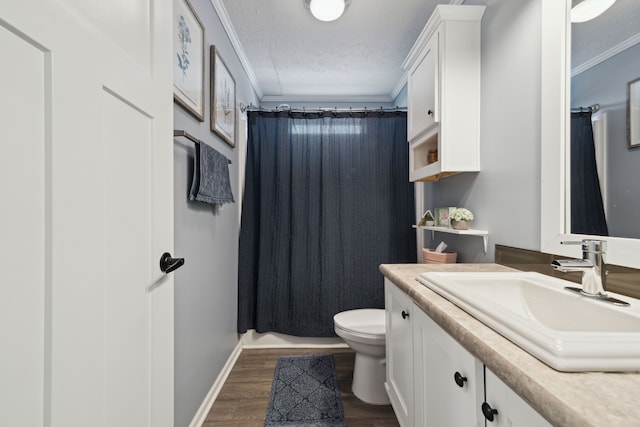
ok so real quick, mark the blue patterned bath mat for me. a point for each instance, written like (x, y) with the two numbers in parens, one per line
(305, 393)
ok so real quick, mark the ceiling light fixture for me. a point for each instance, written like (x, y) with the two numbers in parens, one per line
(327, 10)
(585, 10)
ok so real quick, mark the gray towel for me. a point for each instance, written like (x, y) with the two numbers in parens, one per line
(210, 177)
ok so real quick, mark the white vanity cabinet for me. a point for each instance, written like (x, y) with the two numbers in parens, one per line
(512, 410)
(448, 379)
(443, 80)
(433, 381)
(399, 349)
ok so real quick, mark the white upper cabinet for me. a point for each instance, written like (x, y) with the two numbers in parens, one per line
(443, 71)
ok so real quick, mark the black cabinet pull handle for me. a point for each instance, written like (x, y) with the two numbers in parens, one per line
(459, 379)
(405, 314)
(488, 411)
(169, 264)
(430, 113)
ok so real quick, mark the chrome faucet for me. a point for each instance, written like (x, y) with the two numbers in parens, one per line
(593, 268)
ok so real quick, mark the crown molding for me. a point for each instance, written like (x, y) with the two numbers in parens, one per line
(630, 42)
(399, 86)
(237, 46)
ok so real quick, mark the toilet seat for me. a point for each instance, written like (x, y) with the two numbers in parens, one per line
(364, 325)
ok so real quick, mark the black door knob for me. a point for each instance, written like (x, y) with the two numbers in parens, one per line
(405, 314)
(459, 379)
(169, 264)
(488, 411)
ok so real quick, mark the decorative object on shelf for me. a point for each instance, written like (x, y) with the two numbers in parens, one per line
(460, 218)
(188, 60)
(429, 256)
(427, 219)
(432, 156)
(442, 216)
(223, 99)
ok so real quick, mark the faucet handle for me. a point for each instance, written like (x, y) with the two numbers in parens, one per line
(589, 245)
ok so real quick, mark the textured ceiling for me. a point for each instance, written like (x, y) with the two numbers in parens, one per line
(290, 56)
(358, 56)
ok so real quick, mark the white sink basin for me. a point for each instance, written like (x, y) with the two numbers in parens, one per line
(567, 331)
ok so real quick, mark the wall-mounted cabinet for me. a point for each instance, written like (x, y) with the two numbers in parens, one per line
(443, 70)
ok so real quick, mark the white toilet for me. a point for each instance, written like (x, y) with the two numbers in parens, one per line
(364, 331)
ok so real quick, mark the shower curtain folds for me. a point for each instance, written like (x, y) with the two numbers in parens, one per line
(587, 208)
(327, 199)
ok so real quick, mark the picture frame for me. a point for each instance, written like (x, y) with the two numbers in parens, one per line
(442, 217)
(633, 113)
(223, 99)
(188, 59)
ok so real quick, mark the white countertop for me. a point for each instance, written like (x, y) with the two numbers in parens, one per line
(564, 399)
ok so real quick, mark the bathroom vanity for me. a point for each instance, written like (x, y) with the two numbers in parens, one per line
(444, 367)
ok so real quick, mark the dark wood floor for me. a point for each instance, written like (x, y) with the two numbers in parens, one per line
(244, 397)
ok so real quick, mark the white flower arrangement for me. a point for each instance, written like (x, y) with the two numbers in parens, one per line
(460, 214)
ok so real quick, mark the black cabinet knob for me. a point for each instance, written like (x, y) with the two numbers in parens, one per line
(459, 379)
(405, 314)
(430, 113)
(488, 411)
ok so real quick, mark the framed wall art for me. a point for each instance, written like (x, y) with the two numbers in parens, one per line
(633, 113)
(188, 59)
(223, 99)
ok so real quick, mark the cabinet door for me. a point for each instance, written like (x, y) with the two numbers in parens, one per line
(512, 410)
(423, 90)
(448, 385)
(399, 353)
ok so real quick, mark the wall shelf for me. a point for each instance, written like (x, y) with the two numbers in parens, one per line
(470, 232)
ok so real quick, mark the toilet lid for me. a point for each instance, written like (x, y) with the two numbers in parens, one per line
(363, 321)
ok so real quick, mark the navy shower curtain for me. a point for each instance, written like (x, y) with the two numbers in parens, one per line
(587, 209)
(326, 200)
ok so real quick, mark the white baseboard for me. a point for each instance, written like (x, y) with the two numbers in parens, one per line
(252, 339)
(204, 409)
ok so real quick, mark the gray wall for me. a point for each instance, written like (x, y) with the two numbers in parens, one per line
(606, 84)
(505, 195)
(205, 287)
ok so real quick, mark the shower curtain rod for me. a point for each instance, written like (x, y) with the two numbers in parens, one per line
(286, 107)
(592, 108)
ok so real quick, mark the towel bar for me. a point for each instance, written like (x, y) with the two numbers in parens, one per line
(191, 137)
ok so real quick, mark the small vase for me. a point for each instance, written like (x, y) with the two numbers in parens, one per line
(462, 224)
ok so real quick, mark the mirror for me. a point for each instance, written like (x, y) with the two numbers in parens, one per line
(605, 57)
(555, 81)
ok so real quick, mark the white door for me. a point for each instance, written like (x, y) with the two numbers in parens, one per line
(86, 316)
